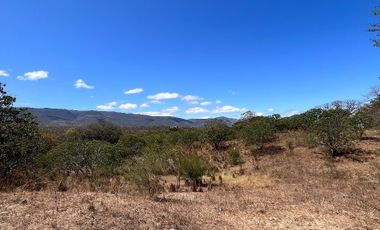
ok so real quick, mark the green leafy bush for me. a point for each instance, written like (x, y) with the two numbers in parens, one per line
(259, 131)
(185, 137)
(19, 136)
(193, 167)
(217, 133)
(131, 145)
(85, 158)
(234, 156)
(146, 171)
(336, 129)
(101, 132)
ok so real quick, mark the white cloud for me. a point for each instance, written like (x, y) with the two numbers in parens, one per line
(4, 73)
(163, 96)
(192, 99)
(157, 114)
(271, 110)
(134, 91)
(34, 75)
(107, 107)
(233, 92)
(206, 103)
(218, 102)
(169, 112)
(173, 109)
(156, 102)
(196, 110)
(80, 84)
(229, 109)
(144, 105)
(128, 106)
(259, 114)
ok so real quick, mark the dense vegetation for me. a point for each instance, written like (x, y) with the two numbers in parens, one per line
(143, 157)
(19, 137)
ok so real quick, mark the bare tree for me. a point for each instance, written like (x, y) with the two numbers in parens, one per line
(375, 28)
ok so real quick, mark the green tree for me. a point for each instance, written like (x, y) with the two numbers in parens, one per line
(259, 131)
(19, 136)
(371, 110)
(217, 133)
(84, 158)
(336, 129)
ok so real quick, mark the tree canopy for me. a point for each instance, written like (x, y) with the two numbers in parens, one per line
(19, 136)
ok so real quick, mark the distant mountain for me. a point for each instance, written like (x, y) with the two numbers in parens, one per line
(67, 118)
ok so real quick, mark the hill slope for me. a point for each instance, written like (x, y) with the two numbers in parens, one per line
(63, 117)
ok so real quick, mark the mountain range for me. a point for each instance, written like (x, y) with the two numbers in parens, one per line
(66, 118)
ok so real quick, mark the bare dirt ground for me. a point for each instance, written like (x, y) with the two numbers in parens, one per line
(300, 189)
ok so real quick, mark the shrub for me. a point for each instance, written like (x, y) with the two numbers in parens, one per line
(290, 145)
(48, 141)
(100, 132)
(185, 137)
(193, 168)
(19, 136)
(217, 133)
(131, 145)
(337, 129)
(147, 170)
(371, 111)
(259, 131)
(85, 158)
(377, 153)
(234, 156)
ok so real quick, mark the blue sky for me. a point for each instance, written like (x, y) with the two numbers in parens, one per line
(190, 58)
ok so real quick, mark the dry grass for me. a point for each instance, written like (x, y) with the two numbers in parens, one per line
(299, 189)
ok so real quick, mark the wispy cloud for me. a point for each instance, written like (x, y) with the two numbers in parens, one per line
(156, 102)
(128, 106)
(80, 84)
(34, 75)
(144, 105)
(107, 106)
(196, 110)
(206, 103)
(157, 114)
(192, 99)
(271, 110)
(233, 92)
(163, 96)
(169, 112)
(134, 91)
(218, 102)
(229, 109)
(173, 109)
(4, 73)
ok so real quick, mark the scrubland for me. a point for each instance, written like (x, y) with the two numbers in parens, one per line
(282, 188)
